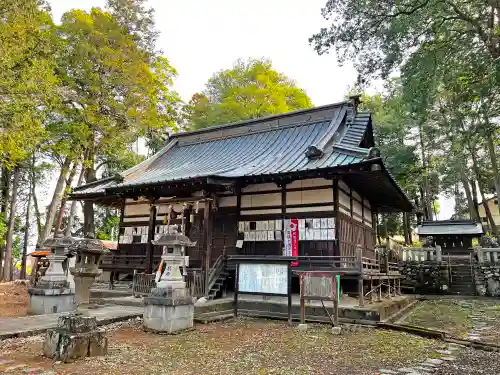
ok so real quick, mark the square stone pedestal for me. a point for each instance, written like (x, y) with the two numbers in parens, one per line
(75, 337)
(50, 299)
(168, 312)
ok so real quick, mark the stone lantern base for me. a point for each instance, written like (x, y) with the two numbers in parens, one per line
(168, 310)
(75, 337)
(50, 297)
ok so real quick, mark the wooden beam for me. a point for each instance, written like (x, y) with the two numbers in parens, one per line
(151, 232)
(337, 218)
(350, 202)
(207, 224)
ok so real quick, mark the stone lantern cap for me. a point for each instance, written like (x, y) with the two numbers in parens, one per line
(89, 245)
(58, 241)
(174, 239)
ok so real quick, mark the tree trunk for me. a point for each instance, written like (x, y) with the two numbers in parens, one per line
(7, 264)
(88, 206)
(477, 172)
(406, 229)
(5, 191)
(51, 213)
(26, 233)
(494, 167)
(3, 210)
(426, 199)
(470, 201)
(65, 197)
(475, 201)
(72, 210)
(38, 217)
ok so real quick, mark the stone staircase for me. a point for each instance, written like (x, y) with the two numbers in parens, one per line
(461, 276)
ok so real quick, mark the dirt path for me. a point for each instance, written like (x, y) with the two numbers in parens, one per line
(13, 300)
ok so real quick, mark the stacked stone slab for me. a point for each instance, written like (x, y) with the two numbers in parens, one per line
(75, 337)
(170, 308)
(52, 293)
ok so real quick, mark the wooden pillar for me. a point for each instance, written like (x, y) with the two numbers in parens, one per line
(359, 254)
(283, 217)
(151, 233)
(371, 289)
(207, 227)
(336, 213)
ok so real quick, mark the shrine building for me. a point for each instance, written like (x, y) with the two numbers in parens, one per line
(234, 188)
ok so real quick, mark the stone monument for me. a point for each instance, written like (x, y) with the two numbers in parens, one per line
(52, 293)
(89, 252)
(77, 335)
(170, 307)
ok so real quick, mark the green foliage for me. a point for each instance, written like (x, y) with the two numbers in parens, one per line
(114, 92)
(448, 57)
(393, 132)
(250, 89)
(27, 79)
(17, 249)
(107, 225)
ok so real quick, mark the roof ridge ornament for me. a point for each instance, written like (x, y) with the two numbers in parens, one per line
(373, 153)
(314, 152)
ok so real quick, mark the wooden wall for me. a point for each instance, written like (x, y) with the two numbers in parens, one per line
(262, 204)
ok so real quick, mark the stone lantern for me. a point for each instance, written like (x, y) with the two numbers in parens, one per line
(89, 252)
(52, 293)
(170, 308)
(76, 335)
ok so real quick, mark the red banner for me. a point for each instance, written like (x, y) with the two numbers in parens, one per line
(294, 239)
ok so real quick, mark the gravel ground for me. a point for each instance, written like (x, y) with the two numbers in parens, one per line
(472, 362)
(243, 346)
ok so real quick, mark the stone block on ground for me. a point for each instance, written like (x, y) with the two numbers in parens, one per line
(164, 318)
(336, 331)
(302, 327)
(76, 337)
(50, 301)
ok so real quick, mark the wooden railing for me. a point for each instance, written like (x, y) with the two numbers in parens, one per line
(214, 273)
(195, 282)
(346, 264)
(142, 283)
(370, 265)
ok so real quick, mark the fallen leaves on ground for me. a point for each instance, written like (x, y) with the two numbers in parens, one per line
(242, 346)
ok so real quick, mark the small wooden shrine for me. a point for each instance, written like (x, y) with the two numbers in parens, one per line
(454, 236)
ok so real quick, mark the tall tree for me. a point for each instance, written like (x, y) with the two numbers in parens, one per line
(7, 262)
(115, 91)
(27, 80)
(250, 89)
(439, 47)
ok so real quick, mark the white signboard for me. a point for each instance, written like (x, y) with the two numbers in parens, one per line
(263, 278)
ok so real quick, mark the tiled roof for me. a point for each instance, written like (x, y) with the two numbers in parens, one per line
(357, 130)
(276, 151)
(262, 147)
(449, 227)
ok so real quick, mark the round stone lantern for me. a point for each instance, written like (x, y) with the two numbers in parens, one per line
(89, 252)
(52, 293)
